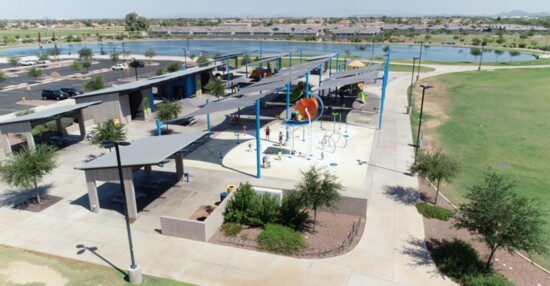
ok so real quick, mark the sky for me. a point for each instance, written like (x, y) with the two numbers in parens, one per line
(80, 9)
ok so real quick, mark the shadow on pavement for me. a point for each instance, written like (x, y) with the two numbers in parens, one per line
(406, 196)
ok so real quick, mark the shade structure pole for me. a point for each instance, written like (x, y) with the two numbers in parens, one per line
(384, 85)
(258, 148)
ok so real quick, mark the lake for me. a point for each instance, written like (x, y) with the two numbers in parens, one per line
(212, 47)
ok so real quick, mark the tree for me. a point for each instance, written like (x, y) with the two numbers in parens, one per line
(133, 22)
(27, 167)
(215, 87)
(3, 76)
(173, 67)
(498, 53)
(35, 73)
(513, 54)
(94, 84)
(108, 131)
(43, 57)
(501, 40)
(361, 48)
(77, 65)
(475, 52)
(202, 61)
(85, 54)
(14, 61)
(114, 57)
(150, 54)
(502, 218)
(319, 188)
(86, 64)
(167, 110)
(55, 52)
(386, 49)
(436, 167)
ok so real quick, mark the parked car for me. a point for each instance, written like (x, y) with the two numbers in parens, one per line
(56, 94)
(137, 64)
(118, 67)
(42, 62)
(71, 91)
(27, 62)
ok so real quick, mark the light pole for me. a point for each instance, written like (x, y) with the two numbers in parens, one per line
(185, 57)
(411, 88)
(424, 87)
(134, 272)
(419, 61)
(481, 56)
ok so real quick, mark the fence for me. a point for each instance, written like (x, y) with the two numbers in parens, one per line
(317, 252)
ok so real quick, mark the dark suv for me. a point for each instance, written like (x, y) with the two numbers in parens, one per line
(137, 64)
(54, 94)
(71, 91)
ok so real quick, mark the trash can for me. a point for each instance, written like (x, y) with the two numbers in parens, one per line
(223, 195)
(231, 188)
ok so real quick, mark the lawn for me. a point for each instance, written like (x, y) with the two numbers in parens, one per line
(45, 33)
(496, 119)
(41, 269)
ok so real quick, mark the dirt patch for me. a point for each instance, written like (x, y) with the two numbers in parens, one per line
(21, 272)
(518, 270)
(201, 213)
(326, 240)
(32, 205)
(436, 102)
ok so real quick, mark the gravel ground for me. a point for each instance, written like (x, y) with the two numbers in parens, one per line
(330, 231)
(518, 270)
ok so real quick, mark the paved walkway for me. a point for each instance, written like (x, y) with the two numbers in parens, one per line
(391, 251)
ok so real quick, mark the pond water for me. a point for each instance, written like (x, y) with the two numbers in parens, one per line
(212, 47)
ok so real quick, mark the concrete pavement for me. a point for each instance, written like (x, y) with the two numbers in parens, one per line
(391, 250)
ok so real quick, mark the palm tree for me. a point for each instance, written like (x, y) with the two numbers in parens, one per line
(436, 167)
(167, 110)
(475, 52)
(27, 167)
(498, 53)
(108, 131)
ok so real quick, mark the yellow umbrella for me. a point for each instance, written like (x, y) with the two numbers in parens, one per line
(356, 64)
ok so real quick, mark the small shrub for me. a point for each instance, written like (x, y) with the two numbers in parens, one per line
(39, 130)
(231, 229)
(242, 207)
(292, 212)
(486, 280)
(458, 259)
(431, 211)
(267, 211)
(23, 112)
(280, 239)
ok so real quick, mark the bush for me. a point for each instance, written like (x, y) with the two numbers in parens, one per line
(249, 208)
(231, 229)
(487, 280)
(280, 239)
(292, 213)
(39, 130)
(268, 210)
(458, 259)
(431, 211)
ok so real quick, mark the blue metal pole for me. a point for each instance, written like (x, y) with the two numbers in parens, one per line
(258, 151)
(384, 84)
(260, 53)
(301, 53)
(307, 85)
(208, 118)
(320, 78)
(151, 100)
(290, 60)
(228, 74)
(158, 127)
(287, 117)
(246, 64)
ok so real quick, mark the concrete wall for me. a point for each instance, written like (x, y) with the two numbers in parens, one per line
(108, 109)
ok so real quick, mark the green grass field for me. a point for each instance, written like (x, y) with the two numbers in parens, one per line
(497, 119)
(71, 271)
(45, 33)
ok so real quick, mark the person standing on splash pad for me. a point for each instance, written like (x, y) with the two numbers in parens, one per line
(267, 132)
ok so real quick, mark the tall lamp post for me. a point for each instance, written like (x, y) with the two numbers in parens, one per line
(424, 87)
(410, 101)
(134, 271)
(419, 61)
(185, 57)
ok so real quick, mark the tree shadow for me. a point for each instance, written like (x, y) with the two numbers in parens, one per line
(12, 198)
(406, 196)
(417, 249)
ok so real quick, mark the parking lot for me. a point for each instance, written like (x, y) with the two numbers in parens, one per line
(18, 83)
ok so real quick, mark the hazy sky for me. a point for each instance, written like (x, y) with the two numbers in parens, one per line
(68, 9)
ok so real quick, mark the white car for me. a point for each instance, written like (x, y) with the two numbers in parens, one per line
(118, 67)
(27, 62)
